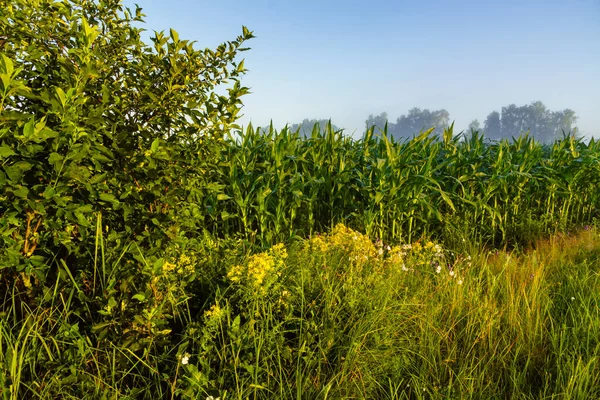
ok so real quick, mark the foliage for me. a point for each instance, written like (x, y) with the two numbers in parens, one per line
(542, 124)
(278, 185)
(344, 317)
(107, 154)
(409, 125)
(306, 127)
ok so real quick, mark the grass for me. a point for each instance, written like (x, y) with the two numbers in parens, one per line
(340, 316)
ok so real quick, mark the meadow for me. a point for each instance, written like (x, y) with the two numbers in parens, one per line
(152, 248)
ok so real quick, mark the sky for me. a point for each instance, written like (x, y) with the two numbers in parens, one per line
(344, 60)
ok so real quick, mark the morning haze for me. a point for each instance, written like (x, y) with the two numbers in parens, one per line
(504, 66)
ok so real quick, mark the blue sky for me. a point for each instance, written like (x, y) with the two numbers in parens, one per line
(347, 59)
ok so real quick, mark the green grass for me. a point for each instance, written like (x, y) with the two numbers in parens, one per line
(331, 317)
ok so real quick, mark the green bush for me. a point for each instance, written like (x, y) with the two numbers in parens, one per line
(108, 152)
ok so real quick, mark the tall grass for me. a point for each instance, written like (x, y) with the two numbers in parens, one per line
(337, 318)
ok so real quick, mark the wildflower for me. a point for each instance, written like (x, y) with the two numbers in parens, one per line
(460, 282)
(185, 359)
(572, 298)
(168, 267)
(214, 312)
(451, 273)
(404, 268)
(438, 269)
(380, 251)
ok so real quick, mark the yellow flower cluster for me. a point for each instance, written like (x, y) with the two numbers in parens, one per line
(260, 269)
(184, 265)
(215, 312)
(343, 238)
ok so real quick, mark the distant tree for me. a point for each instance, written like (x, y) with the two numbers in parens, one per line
(378, 121)
(564, 121)
(492, 126)
(417, 120)
(306, 126)
(474, 126)
(412, 123)
(543, 125)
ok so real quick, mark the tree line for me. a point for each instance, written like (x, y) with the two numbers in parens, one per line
(543, 124)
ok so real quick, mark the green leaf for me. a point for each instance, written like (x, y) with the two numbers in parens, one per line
(240, 67)
(5, 80)
(6, 151)
(139, 297)
(61, 95)
(81, 219)
(7, 66)
(15, 172)
(28, 128)
(174, 35)
(55, 158)
(108, 197)
(49, 192)
(21, 192)
(154, 146)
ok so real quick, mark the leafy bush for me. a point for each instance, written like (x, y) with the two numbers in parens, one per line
(108, 152)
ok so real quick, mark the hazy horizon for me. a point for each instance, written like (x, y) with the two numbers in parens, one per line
(344, 61)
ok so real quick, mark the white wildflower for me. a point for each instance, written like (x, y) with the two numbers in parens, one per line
(438, 269)
(451, 273)
(185, 359)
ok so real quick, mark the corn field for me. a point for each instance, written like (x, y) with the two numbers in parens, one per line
(275, 185)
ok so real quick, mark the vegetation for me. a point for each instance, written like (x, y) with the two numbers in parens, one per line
(535, 119)
(150, 248)
(407, 125)
(306, 127)
(543, 125)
